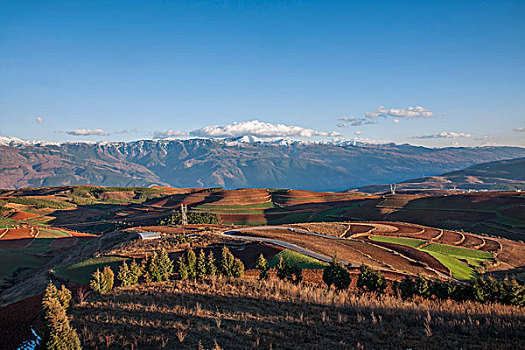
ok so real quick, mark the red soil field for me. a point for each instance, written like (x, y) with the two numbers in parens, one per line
(22, 215)
(239, 197)
(18, 233)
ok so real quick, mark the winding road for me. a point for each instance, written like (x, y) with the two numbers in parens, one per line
(237, 233)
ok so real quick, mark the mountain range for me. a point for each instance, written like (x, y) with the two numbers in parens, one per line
(231, 163)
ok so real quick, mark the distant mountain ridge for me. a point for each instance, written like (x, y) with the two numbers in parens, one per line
(508, 174)
(230, 163)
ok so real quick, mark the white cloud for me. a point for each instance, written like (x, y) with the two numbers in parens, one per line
(169, 133)
(354, 121)
(395, 120)
(358, 133)
(39, 120)
(259, 129)
(409, 112)
(447, 135)
(519, 129)
(84, 132)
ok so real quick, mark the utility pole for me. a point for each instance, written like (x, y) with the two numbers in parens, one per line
(183, 210)
(393, 188)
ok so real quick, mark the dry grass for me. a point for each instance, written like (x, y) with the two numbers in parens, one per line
(241, 314)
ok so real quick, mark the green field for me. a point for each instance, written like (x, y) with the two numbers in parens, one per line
(409, 242)
(305, 262)
(460, 261)
(14, 259)
(457, 252)
(459, 269)
(80, 272)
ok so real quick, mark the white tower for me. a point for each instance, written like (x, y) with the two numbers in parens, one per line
(183, 210)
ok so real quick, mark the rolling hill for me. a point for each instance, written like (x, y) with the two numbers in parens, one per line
(230, 163)
(502, 175)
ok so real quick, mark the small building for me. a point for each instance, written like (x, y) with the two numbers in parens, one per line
(148, 235)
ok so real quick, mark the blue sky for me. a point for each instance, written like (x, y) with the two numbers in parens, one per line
(430, 73)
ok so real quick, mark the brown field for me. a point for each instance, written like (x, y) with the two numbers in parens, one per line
(355, 252)
(415, 254)
(241, 314)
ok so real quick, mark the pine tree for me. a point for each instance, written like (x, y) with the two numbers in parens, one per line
(162, 266)
(237, 268)
(124, 275)
(135, 272)
(191, 262)
(201, 264)
(102, 282)
(227, 261)
(63, 295)
(97, 282)
(182, 268)
(262, 266)
(109, 277)
(211, 268)
(58, 333)
(280, 267)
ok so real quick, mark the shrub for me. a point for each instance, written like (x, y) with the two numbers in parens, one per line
(102, 282)
(288, 271)
(263, 267)
(175, 218)
(371, 280)
(335, 273)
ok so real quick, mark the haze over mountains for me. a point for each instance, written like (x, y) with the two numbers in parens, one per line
(231, 163)
(508, 174)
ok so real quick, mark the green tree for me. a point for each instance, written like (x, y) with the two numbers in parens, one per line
(191, 262)
(58, 333)
(336, 274)
(182, 268)
(289, 271)
(135, 272)
(263, 267)
(237, 268)
(227, 261)
(63, 295)
(211, 268)
(124, 275)
(109, 278)
(102, 282)
(201, 264)
(371, 280)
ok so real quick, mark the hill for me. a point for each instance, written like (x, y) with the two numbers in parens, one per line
(502, 175)
(230, 163)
